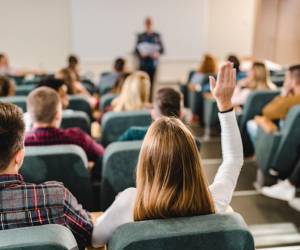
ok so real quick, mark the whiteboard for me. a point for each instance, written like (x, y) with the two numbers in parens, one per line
(105, 29)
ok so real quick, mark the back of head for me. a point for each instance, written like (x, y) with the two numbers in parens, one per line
(52, 83)
(7, 88)
(260, 76)
(170, 177)
(119, 65)
(236, 62)
(168, 102)
(43, 104)
(295, 73)
(73, 61)
(11, 133)
(69, 78)
(135, 92)
(208, 65)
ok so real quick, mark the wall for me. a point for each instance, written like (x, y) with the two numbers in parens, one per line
(41, 33)
(35, 33)
(277, 35)
(231, 27)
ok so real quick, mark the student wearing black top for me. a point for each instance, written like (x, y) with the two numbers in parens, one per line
(148, 61)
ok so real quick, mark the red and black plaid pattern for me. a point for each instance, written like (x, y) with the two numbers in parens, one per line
(23, 205)
(55, 136)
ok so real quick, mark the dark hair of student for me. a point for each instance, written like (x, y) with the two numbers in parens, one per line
(12, 129)
(119, 65)
(236, 62)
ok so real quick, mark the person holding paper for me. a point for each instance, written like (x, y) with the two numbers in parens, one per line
(148, 49)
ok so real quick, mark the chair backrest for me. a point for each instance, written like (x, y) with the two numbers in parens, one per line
(46, 237)
(20, 101)
(107, 82)
(106, 100)
(253, 106)
(287, 151)
(80, 103)
(118, 170)
(115, 124)
(207, 232)
(24, 90)
(63, 163)
(79, 119)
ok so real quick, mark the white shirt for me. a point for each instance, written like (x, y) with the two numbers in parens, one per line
(121, 211)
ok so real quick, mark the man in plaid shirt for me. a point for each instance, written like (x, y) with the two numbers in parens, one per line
(24, 204)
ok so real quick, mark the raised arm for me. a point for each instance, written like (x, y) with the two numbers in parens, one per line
(232, 148)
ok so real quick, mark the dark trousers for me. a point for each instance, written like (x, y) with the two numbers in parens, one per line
(151, 72)
(295, 177)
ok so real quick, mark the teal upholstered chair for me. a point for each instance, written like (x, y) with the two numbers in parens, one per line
(63, 163)
(280, 150)
(115, 124)
(80, 103)
(118, 170)
(211, 118)
(20, 101)
(24, 90)
(79, 119)
(184, 87)
(107, 82)
(209, 232)
(106, 100)
(253, 106)
(46, 237)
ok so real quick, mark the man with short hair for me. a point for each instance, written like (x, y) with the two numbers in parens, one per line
(24, 204)
(45, 109)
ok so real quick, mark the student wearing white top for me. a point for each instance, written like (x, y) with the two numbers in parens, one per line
(170, 177)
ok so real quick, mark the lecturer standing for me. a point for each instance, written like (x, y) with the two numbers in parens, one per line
(148, 49)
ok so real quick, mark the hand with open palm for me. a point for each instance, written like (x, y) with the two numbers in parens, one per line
(222, 89)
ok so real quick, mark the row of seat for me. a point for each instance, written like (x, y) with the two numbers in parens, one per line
(113, 123)
(227, 232)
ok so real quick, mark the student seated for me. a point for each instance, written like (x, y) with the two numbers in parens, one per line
(279, 107)
(25, 204)
(134, 94)
(208, 66)
(286, 190)
(7, 87)
(61, 89)
(45, 109)
(258, 79)
(73, 65)
(74, 86)
(236, 64)
(170, 177)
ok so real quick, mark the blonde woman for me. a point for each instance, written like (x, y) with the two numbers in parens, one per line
(258, 79)
(170, 177)
(134, 94)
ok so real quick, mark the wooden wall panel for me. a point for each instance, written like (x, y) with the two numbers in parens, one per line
(277, 31)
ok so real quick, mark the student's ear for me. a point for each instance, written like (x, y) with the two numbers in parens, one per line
(19, 158)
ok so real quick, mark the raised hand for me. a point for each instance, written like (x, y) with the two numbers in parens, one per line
(222, 89)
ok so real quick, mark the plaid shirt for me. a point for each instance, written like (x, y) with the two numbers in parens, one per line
(24, 205)
(55, 136)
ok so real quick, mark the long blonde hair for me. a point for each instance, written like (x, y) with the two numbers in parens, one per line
(134, 94)
(170, 178)
(260, 78)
